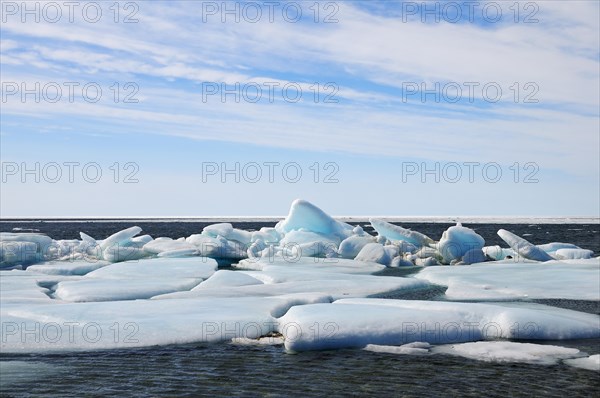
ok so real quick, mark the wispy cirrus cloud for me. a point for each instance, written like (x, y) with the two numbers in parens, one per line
(370, 55)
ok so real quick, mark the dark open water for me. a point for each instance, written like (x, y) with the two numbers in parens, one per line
(230, 370)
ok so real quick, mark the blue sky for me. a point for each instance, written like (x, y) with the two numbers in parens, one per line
(366, 140)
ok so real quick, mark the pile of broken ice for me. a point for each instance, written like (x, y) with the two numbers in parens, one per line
(306, 232)
(308, 278)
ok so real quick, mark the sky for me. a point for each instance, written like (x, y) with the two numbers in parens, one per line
(365, 108)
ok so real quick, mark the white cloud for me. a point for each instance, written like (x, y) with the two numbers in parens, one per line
(372, 55)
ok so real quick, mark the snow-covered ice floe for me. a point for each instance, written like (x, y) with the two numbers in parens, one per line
(523, 247)
(27, 288)
(496, 351)
(141, 279)
(77, 267)
(508, 351)
(590, 363)
(359, 322)
(416, 348)
(566, 279)
(139, 323)
(337, 265)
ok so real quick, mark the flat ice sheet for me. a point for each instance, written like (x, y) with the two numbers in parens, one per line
(508, 351)
(26, 287)
(139, 279)
(339, 279)
(160, 268)
(359, 286)
(99, 289)
(498, 351)
(125, 324)
(565, 279)
(337, 265)
(76, 267)
(416, 348)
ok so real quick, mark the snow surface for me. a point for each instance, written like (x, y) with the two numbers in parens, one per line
(568, 279)
(338, 279)
(141, 279)
(226, 278)
(77, 267)
(26, 287)
(158, 246)
(338, 265)
(121, 289)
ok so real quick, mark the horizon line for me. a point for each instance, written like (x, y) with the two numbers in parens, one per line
(270, 217)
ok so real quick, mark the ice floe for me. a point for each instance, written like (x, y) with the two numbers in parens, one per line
(141, 279)
(508, 351)
(397, 233)
(304, 215)
(569, 279)
(138, 323)
(351, 246)
(338, 278)
(494, 351)
(120, 237)
(226, 278)
(377, 253)
(523, 247)
(26, 287)
(227, 231)
(590, 363)
(24, 248)
(120, 289)
(573, 254)
(76, 267)
(458, 240)
(416, 348)
(359, 322)
(337, 265)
